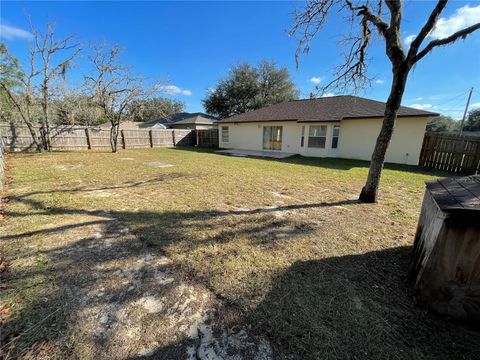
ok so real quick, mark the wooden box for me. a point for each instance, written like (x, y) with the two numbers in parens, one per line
(445, 264)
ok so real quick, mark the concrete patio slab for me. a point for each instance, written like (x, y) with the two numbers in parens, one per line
(256, 153)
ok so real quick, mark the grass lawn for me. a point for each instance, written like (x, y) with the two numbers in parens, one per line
(285, 243)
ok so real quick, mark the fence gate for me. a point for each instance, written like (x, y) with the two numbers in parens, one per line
(454, 153)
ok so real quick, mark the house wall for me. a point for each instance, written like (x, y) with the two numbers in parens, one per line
(357, 138)
(249, 136)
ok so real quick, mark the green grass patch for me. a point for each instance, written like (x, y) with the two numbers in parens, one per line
(285, 242)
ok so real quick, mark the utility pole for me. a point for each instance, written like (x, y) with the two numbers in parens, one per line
(466, 110)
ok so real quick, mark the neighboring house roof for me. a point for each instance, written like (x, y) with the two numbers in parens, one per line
(197, 120)
(335, 108)
(182, 118)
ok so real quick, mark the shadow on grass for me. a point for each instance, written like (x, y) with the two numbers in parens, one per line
(353, 306)
(333, 163)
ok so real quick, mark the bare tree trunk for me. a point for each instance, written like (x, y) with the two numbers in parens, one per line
(114, 136)
(37, 142)
(370, 190)
(46, 110)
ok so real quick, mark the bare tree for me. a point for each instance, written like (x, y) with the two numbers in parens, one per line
(366, 18)
(46, 49)
(19, 90)
(112, 87)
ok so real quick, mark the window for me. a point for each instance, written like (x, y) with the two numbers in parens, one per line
(336, 134)
(317, 136)
(225, 134)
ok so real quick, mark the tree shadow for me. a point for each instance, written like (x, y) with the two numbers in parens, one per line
(356, 306)
(52, 309)
(353, 306)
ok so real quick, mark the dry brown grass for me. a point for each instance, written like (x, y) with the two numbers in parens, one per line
(284, 242)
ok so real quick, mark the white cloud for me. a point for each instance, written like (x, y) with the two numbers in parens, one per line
(378, 81)
(328, 95)
(316, 80)
(419, 98)
(462, 18)
(421, 106)
(174, 90)
(408, 40)
(475, 105)
(11, 33)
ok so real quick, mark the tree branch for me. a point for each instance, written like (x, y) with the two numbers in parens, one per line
(364, 11)
(427, 27)
(445, 41)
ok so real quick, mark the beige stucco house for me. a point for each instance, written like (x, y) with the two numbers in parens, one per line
(338, 126)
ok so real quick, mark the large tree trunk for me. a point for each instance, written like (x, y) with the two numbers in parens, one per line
(370, 190)
(114, 136)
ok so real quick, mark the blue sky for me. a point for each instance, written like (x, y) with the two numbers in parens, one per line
(193, 44)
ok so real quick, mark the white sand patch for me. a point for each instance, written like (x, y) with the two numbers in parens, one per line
(157, 164)
(151, 304)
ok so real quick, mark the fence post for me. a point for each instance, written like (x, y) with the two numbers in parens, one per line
(150, 135)
(124, 145)
(87, 134)
(173, 138)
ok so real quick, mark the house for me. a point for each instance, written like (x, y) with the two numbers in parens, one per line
(338, 126)
(183, 120)
(194, 121)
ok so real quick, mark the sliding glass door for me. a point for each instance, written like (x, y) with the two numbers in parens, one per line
(272, 137)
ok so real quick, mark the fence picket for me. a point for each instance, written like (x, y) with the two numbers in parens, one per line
(18, 138)
(454, 153)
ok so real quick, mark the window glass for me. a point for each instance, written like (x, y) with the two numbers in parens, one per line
(225, 134)
(335, 135)
(317, 136)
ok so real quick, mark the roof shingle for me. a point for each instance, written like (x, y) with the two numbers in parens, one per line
(333, 108)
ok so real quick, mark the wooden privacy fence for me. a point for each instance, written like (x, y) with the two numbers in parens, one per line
(207, 138)
(18, 138)
(2, 162)
(454, 153)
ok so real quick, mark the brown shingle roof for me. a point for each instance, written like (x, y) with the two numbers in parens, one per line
(333, 108)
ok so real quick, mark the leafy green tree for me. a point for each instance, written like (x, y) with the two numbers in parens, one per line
(443, 123)
(248, 88)
(473, 122)
(154, 108)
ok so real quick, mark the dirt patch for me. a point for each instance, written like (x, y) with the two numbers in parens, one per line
(125, 301)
